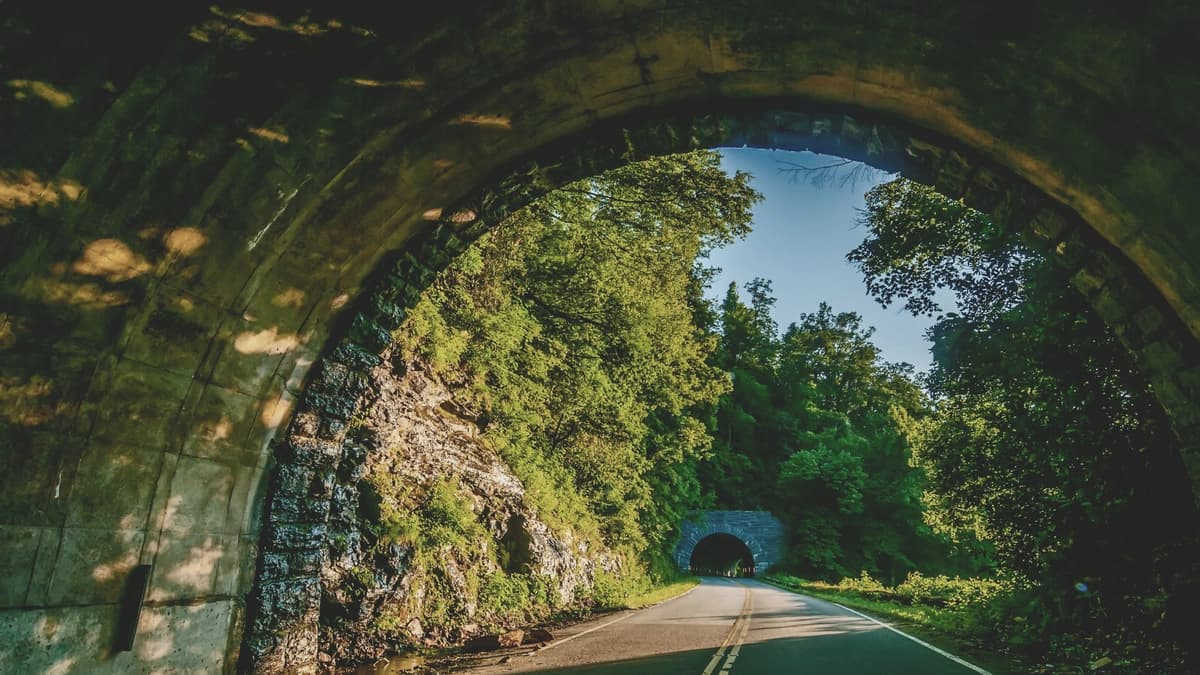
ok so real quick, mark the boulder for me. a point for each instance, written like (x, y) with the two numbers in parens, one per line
(492, 643)
(483, 643)
(538, 636)
(487, 643)
(512, 638)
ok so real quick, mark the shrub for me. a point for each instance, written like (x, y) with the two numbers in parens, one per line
(611, 590)
(941, 590)
(505, 597)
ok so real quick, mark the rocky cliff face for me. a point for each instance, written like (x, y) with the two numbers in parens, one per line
(382, 591)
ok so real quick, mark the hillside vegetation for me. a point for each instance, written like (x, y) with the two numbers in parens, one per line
(1028, 484)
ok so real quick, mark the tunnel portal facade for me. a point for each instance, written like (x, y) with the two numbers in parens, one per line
(760, 531)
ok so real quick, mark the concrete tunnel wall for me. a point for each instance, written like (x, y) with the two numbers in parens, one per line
(197, 201)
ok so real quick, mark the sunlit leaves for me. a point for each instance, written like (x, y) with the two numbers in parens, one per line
(1045, 441)
(575, 325)
(816, 429)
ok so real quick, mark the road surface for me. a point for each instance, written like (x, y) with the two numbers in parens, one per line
(730, 627)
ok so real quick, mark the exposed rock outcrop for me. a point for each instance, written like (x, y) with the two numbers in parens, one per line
(376, 597)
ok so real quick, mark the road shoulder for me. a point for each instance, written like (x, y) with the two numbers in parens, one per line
(990, 661)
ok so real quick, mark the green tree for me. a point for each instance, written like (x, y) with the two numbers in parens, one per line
(577, 326)
(1045, 440)
(816, 429)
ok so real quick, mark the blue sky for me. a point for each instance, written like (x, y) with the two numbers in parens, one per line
(800, 239)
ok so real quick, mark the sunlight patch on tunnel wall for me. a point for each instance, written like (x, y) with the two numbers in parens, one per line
(111, 259)
(26, 89)
(273, 134)
(482, 120)
(30, 402)
(289, 297)
(266, 341)
(238, 24)
(26, 188)
(370, 83)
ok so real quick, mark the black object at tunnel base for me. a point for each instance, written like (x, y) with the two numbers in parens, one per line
(131, 607)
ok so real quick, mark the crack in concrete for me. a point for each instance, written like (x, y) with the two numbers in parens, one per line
(278, 213)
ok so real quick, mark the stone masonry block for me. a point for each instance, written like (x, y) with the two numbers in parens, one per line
(1109, 306)
(1014, 207)
(354, 356)
(953, 175)
(92, 564)
(20, 546)
(191, 637)
(277, 565)
(295, 536)
(39, 469)
(334, 404)
(119, 487)
(1086, 282)
(190, 565)
(200, 496)
(1048, 224)
(216, 422)
(311, 453)
(1149, 320)
(386, 313)
(174, 333)
(136, 404)
(370, 334)
(306, 509)
(293, 479)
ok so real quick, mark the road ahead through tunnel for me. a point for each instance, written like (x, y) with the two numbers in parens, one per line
(732, 627)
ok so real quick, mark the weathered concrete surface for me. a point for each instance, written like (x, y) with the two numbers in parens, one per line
(760, 531)
(196, 194)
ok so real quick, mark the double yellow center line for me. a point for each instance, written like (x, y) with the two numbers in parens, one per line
(735, 637)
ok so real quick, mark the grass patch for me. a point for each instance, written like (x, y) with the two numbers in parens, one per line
(658, 594)
(633, 591)
(930, 617)
(939, 625)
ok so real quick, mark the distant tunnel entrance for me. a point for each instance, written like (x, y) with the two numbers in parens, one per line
(722, 555)
(713, 542)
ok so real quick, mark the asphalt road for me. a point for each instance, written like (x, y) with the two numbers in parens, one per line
(730, 627)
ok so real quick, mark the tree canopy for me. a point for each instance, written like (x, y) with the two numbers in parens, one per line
(575, 325)
(1032, 451)
(1043, 438)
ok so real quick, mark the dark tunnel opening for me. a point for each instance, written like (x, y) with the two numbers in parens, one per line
(722, 555)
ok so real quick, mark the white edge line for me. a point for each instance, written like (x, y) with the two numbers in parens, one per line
(552, 645)
(919, 641)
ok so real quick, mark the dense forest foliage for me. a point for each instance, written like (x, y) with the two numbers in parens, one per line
(1044, 439)
(574, 326)
(1032, 453)
(818, 429)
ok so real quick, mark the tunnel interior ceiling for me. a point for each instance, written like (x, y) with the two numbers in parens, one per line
(212, 217)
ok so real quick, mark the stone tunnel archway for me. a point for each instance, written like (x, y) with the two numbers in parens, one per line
(204, 204)
(760, 531)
